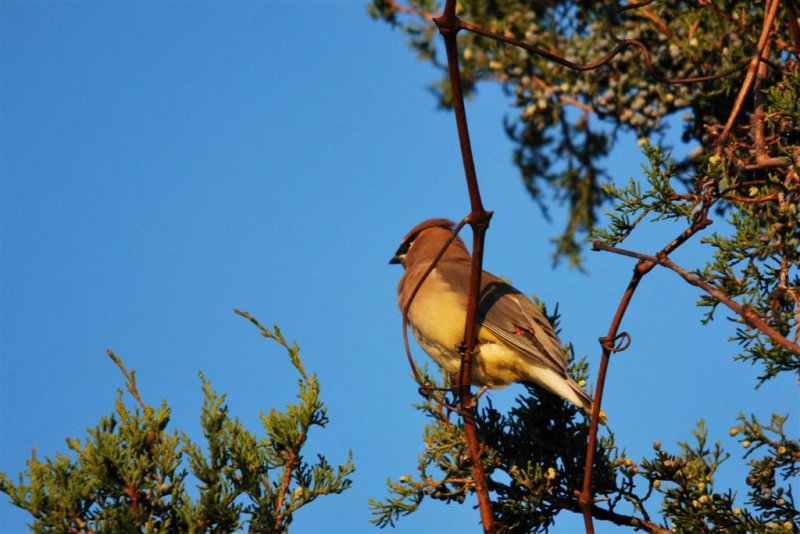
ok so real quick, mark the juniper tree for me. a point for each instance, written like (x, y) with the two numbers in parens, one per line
(723, 72)
(132, 474)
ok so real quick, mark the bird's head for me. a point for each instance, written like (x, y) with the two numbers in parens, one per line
(424, 242)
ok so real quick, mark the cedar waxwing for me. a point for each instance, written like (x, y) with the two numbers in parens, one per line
(515, 342)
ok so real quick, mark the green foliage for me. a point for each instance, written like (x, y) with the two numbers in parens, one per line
(659, 199)
(567, 121)
(126, 473)
(758, 264)
(535, 454)
(130, 474)
(770, 492)
(742, 176)
(534, 458)
(686, 482)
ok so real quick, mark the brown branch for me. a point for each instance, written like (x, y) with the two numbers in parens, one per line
(757, 118)
(287, 478)
(539, 51)
(132, 493)
(794, 28)
(82, 528)
(621, 45)
(750, 317)
(613, 517)
(586, 495)
(449, 26)
(758, 200)
(767, 163)
(770, 10)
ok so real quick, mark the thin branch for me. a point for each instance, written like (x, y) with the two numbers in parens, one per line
(613, 517)
(287, 478)
(770, 10)
(772, 197)
(621, 45)
(751, 317)
(794, 28)
(757, 117)
(539, 51)
(448, 25)
(586, 495)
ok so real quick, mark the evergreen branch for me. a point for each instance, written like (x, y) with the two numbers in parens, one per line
(130, 379)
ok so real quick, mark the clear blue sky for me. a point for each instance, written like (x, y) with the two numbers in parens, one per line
(166, 162)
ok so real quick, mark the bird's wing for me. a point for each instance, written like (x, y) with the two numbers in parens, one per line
(511, 317)
(518, 323)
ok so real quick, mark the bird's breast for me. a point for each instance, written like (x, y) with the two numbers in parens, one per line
(437, 313)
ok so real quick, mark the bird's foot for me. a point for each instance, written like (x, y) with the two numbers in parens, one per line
(462, 350)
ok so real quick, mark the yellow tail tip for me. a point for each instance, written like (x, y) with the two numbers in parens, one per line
(603, 418)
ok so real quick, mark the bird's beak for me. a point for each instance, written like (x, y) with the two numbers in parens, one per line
(395, 260)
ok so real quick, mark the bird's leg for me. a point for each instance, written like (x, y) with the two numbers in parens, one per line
(462, 350)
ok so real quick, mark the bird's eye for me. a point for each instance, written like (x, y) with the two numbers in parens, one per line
(404, 247)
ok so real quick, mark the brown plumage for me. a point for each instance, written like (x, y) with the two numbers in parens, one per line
(515, 342)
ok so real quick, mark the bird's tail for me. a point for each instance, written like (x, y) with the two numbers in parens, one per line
(585, 401)
(566, 388)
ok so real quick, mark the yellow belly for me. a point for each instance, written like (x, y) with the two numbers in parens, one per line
(494, 366)
(438, 326)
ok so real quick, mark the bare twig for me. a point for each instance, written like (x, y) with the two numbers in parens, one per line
(586, 495)
(751, 317)
(449, 26)
(621, 45)
(614, 517)
(772, 197)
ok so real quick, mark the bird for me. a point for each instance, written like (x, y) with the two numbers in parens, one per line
(515, 342)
